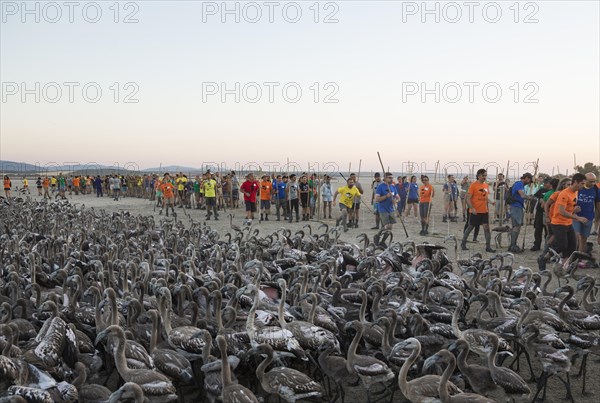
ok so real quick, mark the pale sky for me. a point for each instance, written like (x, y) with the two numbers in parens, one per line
(375, 61)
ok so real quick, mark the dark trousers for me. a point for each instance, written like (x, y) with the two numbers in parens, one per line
(565, 241)
(99, 191)
(294, 206)
(539, 228)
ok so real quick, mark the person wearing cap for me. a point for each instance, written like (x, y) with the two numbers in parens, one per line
(477, 200)
(266, 190)
(517, 209)
(376, 182)
(280, 187)
(327, 195)
(538, 222)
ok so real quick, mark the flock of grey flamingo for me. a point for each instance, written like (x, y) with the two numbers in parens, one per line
(100, 306)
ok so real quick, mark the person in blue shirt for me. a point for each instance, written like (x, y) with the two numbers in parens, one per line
(517, 208)
(413, 197)
(279, 186)
(450, 198)
(402, 189)
(386, 197)
(588, 200)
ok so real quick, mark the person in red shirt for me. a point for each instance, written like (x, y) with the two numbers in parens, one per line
(266, 191)
(249, 189)
(477, 200)
(168, 191)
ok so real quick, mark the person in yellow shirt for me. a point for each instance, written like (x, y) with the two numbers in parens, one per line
(348, 193)
(210, 196)
(26, 185)
(181, 181)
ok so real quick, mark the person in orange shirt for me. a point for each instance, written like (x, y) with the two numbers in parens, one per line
(562, 218)
(426, 193)
(76, 184)
(266, 191)
(7, 186)
(46, 186)
(477, 199)
(168, 192)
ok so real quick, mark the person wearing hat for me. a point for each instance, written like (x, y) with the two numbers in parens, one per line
(517, 209)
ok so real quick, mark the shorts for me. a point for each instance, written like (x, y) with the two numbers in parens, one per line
(447, 198)
(516, 216)
(387, 218)
(235, 194)
(211, 201)
(413, 201)
(376, 208)
(356, 206)
(343, 207)
(250, 206)
(327, 199)
(304, 200)
(265, 204)
(424, 209)
(479, 219)
(583, 229)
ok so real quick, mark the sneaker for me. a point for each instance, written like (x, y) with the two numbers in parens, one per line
(375, 228)
(422, 232)
(207, 218)
(267, 218)
(216, 218)
(534, 248)
(593, 233)
(515, 249)
(489, 249)
(330, 218)
(445, 220)
(463, 246)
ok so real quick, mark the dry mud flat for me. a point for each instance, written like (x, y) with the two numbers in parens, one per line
(438, 230)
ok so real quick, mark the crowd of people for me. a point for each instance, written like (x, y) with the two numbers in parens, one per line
(563, 212)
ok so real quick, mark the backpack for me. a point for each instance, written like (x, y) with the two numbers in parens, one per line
(509, 196)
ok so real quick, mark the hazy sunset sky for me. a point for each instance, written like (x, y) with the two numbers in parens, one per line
(175, 60)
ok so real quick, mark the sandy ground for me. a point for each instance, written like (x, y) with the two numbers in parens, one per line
(438, 231)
